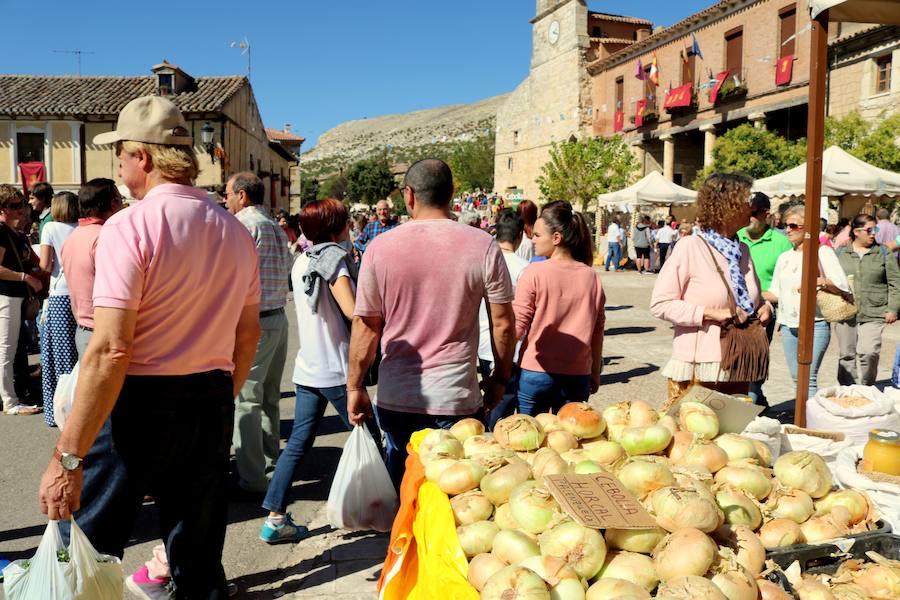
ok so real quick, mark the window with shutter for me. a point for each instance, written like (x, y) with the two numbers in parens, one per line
(620, 92)
(734, 49)
(883, 74)
(687, 68)
(30, 147)
(788, 27)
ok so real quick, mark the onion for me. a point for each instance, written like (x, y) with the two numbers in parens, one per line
(513, 546)
(466, 428)
(519, 432)
(735, 446)
(825, 527)
(681, 441)
(805, 471)
(498, 485)
(576, 455)
(771, 591)
(634, 540)
(548, 421)
(750, 479)
(477, 538)
(811, 589)
(616, 414)
(471, 507)
(733, 580)
(703, 453)
(738, 507)
(686, 551)
(855, 502)
(763, 452)
(849, 591)
(567, 589)
(436, 466)
(480, 444)
(604, 451)
(693, 476)
(465, 475)
(552, 569)
(748, 549)
(645, 440)
(880, 580)
(581, 420)
(451, 448)
(788, 503)
(641, 477)
(586, 467)
(561, 440)
(547, 461)
(690, 587)
(698, 418)
(669, 422)
(677, 507)
(532, 506)
(637, 568)
(515, 583)
(581, 547)
(779, 533)
(641, 414)
(482, 567)
(433, 438)
(504, 519)
(610, 588)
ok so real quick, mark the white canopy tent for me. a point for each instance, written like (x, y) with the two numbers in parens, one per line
(652, 189)
(857, 11)
(842, 174)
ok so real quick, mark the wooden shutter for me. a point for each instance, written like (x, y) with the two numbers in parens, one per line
(734, 49)
(687, 68)
(620, 93)
(788, 22)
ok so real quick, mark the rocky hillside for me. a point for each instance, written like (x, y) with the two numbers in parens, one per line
(399, 135)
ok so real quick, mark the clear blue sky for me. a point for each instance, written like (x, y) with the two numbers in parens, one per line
(315, 64)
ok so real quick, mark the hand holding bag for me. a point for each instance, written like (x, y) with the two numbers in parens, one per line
(834, 307)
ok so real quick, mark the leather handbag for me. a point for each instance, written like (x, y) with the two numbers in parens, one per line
(745, 346)
(31, 304)
(835, 308)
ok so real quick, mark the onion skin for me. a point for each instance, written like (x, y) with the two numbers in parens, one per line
(771, 591)
(548, 421)
(551, 569)
(810, 589)
(703, 453)
(513, 546)
(681, 441)
(637, 568)
(519, 432)
(609, 588)
(515, 583)
(854, 501)
(698, 418)
(605, 452)
(738, 507)
(465, 475)
(581, 420)
(684, 552)
(750, 479)
(763, 452)
(825, 527)
(504, 519)
(561, 441)
(737, 447)
(471, 507)
(634, 540)
(645, 440)
(779, 533)
(792, 504)
(689, 588)
(481, 567)
(477, 538)
(498, 485)
(547, 461)
(677, 507)
(805, 471)
(642, 477)
(581, 547)
(748, 549)
(736, 584)
(480, 444)
(466, 428)
(641, 414)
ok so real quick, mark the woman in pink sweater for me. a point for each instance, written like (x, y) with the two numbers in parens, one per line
(559, 310)
(690, 293)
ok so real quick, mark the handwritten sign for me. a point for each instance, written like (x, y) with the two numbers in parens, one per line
(598, 500)
(733, 414)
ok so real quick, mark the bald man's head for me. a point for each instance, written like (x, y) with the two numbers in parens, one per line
(431, 181)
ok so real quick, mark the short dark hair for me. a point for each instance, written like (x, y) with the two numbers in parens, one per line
(43, 191)
(858, 222)
(510, 226)
(323, 219)
(883, 214)
(10, 194)
(431, 181)
(95, 198)
(250, 184)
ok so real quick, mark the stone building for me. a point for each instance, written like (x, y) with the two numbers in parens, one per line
(553, 103)
(53, 120)
(864, 74)
(286, 146)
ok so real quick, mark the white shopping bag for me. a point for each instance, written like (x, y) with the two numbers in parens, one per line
(362, 496)
(80, 574)
(64, 396)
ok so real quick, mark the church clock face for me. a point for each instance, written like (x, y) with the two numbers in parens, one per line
(553, 32)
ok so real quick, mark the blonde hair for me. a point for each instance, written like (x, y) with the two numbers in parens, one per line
(64, 208)
(174, 163)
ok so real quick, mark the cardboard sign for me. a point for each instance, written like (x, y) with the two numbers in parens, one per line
(598, 500)
(733, 414)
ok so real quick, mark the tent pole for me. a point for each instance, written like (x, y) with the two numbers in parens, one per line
(815, 134)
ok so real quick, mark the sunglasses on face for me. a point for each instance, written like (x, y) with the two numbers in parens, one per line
(794, 226)
(869, 230)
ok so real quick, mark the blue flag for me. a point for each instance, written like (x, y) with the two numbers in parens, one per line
(695, 47)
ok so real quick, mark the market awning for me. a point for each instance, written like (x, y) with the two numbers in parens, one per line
(653, 189)
(858, 11)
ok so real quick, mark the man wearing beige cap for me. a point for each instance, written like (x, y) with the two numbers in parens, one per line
(176, 321)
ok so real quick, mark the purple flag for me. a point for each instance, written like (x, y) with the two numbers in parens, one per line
(639, 71)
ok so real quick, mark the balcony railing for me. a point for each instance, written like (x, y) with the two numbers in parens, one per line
(733, 87)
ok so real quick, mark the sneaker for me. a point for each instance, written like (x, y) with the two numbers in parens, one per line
(143, 586)
(23, 409)
(287, 532)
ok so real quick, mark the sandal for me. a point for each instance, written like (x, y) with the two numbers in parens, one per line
(23, 409)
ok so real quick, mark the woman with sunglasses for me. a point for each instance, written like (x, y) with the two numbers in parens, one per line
(876, 288)
(785, 291)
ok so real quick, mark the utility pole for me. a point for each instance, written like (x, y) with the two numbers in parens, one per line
(77, 53)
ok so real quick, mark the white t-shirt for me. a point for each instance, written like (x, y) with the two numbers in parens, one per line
(665, 235)
(525, 251)
(55, 234)
(516, 265)
(786, 282)
(325, 339)
(613, 233)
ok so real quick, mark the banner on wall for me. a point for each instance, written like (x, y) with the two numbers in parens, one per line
(639, 108)
(680, 96)
(619, 122)
(784, 70)
(720, 79)
(31, 173)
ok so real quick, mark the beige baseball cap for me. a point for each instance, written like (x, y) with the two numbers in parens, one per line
(150, 119)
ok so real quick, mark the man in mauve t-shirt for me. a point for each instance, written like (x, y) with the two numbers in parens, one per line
(419, 289)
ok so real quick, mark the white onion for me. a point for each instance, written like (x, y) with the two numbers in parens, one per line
(499, 484)
(745, 477)
(466, 428)
(812, 589)
(698, 418)
(616, 414)
(561, 440)
(604, 452)
(733, 580)
(465, 475)
(504, 519)
(685, 551)
(771, 591)
(763, 452)
(609, 588)
(512, 546)
(703, 453)
(642, 477)
(641, 414)
(436, 466)
(738, 507)
(645, 440)
(480, 444)
(581, 547)
(805, 471)
(669, 422)
(677, 507)
(533, 507)
(433, 438)
(567, 589)
(637, 568)
(547, 461)
(586, 467)
(634, 540)
(854, 501)
(519, 432)
(548, 421)
(779, 533)
(448, 448)
(515, 583)
(477, 538)
(470, 507)
(481, 567)
(581, 420)
(681, 441)
(880, 580)
(575, 455)
(825, 527)
(748, 549)
(788, 503)
(552, 569)
(737, 447)
(689, 588)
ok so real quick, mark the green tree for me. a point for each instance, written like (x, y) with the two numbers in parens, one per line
(846, 132)
(580, 170)
(880, 148)
(309, 189)
(753, 152)
(397, 203)
(370, 180)
(472, 162)
(333, 187)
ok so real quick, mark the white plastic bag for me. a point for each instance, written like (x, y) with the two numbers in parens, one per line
(767, 431)
(854, 422)
(86, 575)
(64, 396)
(362, 496)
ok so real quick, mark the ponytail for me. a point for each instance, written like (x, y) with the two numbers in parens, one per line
(561, 218)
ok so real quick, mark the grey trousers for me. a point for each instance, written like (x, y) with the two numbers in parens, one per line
(257, 421)
(858, 342)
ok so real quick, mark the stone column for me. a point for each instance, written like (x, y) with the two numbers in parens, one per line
(709, 141)
(758, 119)
(668, 155)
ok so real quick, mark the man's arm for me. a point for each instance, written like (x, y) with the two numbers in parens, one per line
(246, 338)
(363, 343)
(503, 345)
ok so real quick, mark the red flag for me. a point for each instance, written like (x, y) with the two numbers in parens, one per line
(31, 173)
(639, 108)
(619, 123)
(720, 79)
(784, 70)
(680, 96)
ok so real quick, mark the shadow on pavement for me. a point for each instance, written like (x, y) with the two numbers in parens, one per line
(626, 376)
(619, 307)
(623, 330)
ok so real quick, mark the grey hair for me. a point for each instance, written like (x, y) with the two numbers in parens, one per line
(470, 218)
(797, 209)
(251, 184)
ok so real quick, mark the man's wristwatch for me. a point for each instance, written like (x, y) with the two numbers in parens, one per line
(69, 462)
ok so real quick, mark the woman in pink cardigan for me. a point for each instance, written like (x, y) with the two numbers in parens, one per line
(690, 294)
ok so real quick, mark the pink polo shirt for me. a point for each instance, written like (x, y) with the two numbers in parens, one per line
(78, 255)
(188, 268)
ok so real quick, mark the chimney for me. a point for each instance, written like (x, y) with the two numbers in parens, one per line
(643, 34)
(287, 127)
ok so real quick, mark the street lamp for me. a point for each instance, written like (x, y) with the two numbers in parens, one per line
(207, 136)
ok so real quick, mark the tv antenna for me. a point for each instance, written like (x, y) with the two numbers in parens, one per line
(77, 53)
(245, 49)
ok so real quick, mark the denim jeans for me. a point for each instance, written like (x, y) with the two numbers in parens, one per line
(614, 255)
(821, 338)
(541, 392)
(398, 427)
(309, 409)
(756, 391)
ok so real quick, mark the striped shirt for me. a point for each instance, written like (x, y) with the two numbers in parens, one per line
(274, 256)
(371, 231)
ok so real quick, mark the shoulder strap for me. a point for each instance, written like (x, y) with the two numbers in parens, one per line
(732, 303)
